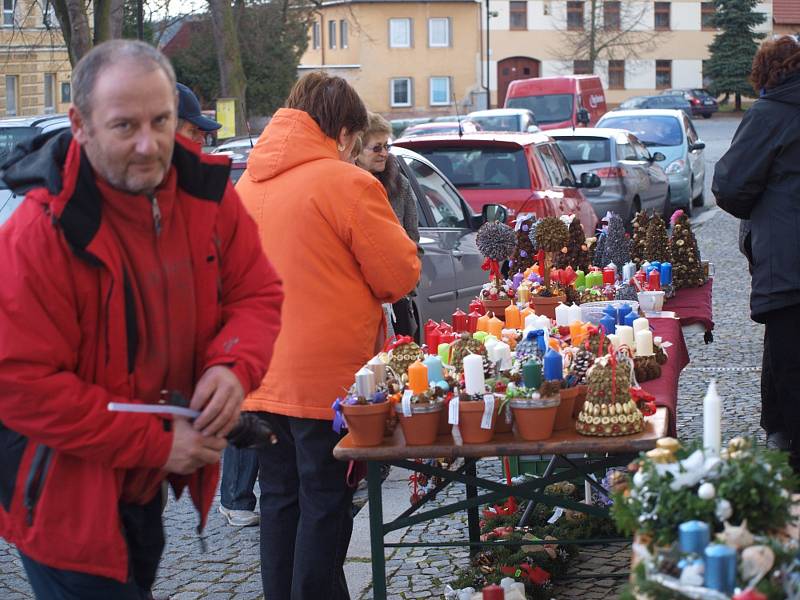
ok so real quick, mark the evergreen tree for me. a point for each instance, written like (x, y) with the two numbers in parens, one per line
(522, 259)
(640, 222)
(734, 47)
(657, 242)
(687, 270)
(617, 246)
(577, 255)
(599, 250)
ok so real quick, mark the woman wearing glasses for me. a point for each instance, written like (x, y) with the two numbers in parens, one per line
(375, 158)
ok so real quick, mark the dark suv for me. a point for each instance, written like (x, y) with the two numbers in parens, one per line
(670, 102)
(703, 104)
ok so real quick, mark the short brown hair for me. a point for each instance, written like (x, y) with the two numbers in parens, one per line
(775, 61)
(330, 101)
(377, 125)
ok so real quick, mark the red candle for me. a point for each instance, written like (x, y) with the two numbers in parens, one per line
(609, 276)
(433, 339)
(641, 277)
(493, 592)
(429, 326)
(477, 306)
(447, 337)
(459, 321)
(444, 326)
(472, 321)
(654, 280)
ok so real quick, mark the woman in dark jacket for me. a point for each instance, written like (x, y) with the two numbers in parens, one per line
(375, 158)
(758, 180)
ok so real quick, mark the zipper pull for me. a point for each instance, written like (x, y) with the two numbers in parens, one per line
(156, 214)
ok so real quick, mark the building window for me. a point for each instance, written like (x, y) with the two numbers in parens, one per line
(519, 15)
(332, 34)
(663, 74)
(707, 12)
(8, 13)
(49, 93)
(611, 16)
(315, 30)
(616, 74)
(440, 91)
(575, 15)
(49, 19)
(66, 91)
(400, 91)
(344, 34)
(439, 32)
(12, 91)
(400, 33)
(662, 16)
(583, 67)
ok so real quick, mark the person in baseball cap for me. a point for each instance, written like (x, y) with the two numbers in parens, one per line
(192, 123)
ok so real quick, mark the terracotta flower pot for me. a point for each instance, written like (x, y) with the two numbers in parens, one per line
(546, 305)
(564, 414)
(535, 418)
(366, 422)
(580, 398)
(422, 427)
(504, 422)
(444, 427)
(470, 415)
(498, 307)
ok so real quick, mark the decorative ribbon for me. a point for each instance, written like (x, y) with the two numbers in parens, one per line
(535, 574)
(540, 256)
(338, 417)
(395, 341)
(511, 503)
(645, 401)
(493, 267)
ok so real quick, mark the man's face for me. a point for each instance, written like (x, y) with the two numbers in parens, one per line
(191, 131)
(130, 134)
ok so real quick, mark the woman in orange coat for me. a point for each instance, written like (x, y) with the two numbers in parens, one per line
(331, 234)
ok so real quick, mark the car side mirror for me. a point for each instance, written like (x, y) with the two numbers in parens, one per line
(583, 116)
(697, 146)
(657, 157)
(589, 180)
(533, 128)
(494, 212)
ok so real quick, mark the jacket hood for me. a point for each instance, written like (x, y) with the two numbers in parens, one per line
(36, 163)
(787, 92)
(292, 138)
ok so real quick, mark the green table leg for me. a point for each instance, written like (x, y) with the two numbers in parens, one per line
(473, 520)
(375, 500)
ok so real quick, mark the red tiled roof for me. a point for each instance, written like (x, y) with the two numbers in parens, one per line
(786, 12)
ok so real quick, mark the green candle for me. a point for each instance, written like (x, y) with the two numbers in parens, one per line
(480, 336)
(580, 280)
(532, 374)
(444, 353)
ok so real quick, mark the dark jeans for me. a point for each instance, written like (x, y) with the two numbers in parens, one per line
(306, 512)
(144, 535)
(780, 373)
(239, 474)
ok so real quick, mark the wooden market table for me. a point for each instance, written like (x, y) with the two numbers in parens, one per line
(599, 453)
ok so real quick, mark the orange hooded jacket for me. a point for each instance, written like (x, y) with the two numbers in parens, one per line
(331, 234)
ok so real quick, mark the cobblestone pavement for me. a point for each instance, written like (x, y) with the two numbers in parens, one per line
(230, 569)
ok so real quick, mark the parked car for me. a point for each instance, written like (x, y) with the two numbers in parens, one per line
(14, 130)
(648, 102)
(400, 125)
(671, 133)
(505, 119)
(631, 177)
(525, 172)
(442, 128)
(237, 145)
(566, 101)
(702, 102)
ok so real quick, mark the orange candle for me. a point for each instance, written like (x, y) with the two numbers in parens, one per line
(524, 314)
(418, 378)
(513, 317)
(576, 332)
(495, 327)
(483, 323)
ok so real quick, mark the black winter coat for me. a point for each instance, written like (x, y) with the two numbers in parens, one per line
(759, 179)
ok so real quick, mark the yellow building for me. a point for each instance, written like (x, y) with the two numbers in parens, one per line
(34, 63)
(405, 58)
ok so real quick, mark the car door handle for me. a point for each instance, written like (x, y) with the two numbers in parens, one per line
(457, 254)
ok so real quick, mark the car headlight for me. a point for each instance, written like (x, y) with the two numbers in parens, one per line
(676, 166)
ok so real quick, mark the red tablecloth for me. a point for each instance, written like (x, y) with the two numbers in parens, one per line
(693, 305)
(665, 388)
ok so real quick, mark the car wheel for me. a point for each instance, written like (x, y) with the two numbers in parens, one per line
(706, 115)
(700, 200)
(688, 209)
(667, 213)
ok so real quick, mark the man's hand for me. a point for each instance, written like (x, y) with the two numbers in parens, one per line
(191, 449)
(219, 396)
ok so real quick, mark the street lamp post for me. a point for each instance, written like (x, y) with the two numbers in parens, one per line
(488, 54)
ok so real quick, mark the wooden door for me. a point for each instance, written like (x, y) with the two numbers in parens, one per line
(509, 69)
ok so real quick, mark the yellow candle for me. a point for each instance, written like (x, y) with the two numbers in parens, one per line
(523, 293)
(495, 327)
(418, 378)
(483, 323)
(513, 317)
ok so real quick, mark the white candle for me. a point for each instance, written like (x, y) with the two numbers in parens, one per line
(489, 344)
(640, 324)
(473, 374)
(365, 382)
(644, 343)
(562, 315)
(377, 366)
(502, 354)
(613, 339)
(530, 321)
(625, 335)
(628, 271)
(575, 314)
(712, 421)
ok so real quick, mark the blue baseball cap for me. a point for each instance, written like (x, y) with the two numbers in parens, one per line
(189, 110)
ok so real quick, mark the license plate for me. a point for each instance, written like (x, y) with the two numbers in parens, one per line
(709, 102)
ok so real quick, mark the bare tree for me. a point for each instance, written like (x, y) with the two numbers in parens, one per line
(84, 23)
(233, 83)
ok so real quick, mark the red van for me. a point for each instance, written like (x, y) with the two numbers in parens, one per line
(567, 101)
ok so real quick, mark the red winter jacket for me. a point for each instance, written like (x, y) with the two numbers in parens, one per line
(68, 340)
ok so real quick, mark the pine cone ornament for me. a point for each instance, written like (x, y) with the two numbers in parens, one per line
(639, 226)
(577, 255)
(616, 248)
(403, 356)
(599, 251)
(496, 240)
(627, 292)
(657, 242)
(522, 258)
(551, 234)
(584, 359)
(464, 346)
(609, 410)
(687, 269)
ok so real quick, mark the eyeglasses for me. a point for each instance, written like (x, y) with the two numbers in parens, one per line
(377, 148)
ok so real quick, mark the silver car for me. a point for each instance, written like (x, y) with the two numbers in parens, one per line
(632, 180)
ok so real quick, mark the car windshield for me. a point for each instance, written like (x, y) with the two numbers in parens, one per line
(497, 122)
(701, 93)
(551, 108)
(581, 151)
(412, 132)
(481, 167)
(10, 137)
(654, 130)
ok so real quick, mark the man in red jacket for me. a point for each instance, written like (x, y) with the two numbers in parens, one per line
(130, 268)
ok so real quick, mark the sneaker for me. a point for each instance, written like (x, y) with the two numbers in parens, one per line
(240, 518)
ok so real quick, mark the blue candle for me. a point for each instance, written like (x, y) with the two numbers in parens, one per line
(622, 312)
(541, 343)
(666, 274)
(720, 568)
(610, 311)
(609, 324)
(630, 318)
(693, 537)
(434, 364)
(553, 365)
(656, 265)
